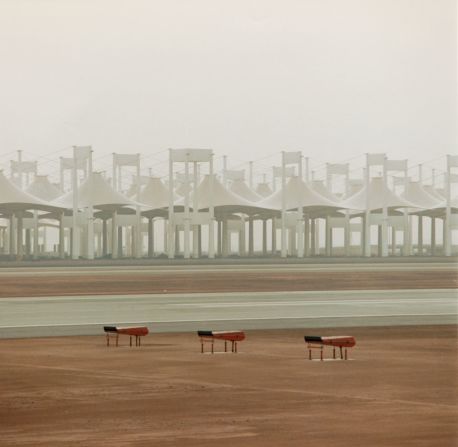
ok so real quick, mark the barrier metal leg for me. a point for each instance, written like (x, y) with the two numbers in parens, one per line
(225, 346)
(117, 339)
(201, 346)
(341, 354)
(310, 354)
(334, 353)
(130, 340)
(321, 353)
(213, 347)
(346, 358)
(108, 340)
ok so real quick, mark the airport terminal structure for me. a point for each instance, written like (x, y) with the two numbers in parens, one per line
(196, 211)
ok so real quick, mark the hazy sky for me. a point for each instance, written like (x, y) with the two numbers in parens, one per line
(334, 78)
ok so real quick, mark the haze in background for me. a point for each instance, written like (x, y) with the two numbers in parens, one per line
(334, 78)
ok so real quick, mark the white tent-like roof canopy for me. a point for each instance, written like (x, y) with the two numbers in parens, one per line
(13, 199)
(263, 190)
(417, 195)
(42, 188)
(376, 197)
(97, 192)
(299, 195)
(154, 194)
(240, 188)
(212, 192)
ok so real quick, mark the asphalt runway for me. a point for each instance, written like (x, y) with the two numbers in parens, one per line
(261, 268)
(85, 315)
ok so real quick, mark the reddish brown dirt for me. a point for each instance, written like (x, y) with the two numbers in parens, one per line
(400, 390)
(136, 283)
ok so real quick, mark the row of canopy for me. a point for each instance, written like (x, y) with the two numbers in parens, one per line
(44, 201)
(154, 196)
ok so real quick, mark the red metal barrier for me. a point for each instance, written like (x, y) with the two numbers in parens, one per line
(338, 341)
(210, 336)
(131, 331)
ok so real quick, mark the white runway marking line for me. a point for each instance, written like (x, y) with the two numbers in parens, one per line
(323, 294)
(311, 303)
(211, 320)
(286, 302)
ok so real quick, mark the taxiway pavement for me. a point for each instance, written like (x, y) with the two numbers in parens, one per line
(85, 315)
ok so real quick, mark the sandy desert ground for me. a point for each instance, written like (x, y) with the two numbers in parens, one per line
(399, 389)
